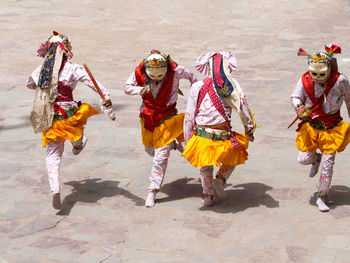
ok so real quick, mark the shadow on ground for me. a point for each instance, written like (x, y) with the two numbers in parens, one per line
(91, 191)
(243, 196)
(338, 195)
(181, 189)
(24, 123)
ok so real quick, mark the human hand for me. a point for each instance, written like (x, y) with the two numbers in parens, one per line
(249, 132)
(107, 103)
(303, 111)
(251, 137)
(144, 91)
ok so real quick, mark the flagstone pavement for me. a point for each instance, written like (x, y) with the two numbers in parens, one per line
(269, 214)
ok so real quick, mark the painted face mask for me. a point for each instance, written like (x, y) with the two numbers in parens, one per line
(155, 67)
(320, 63)
(319, 72)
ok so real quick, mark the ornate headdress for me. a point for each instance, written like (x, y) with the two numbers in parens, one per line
(155, 60)
(52, 51)
(221, 76)
(61, 39)
(202, 63)
(219, 66)
(53, 57)
(319, 57)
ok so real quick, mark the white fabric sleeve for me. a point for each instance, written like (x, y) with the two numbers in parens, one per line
(244, 107)
(345, 89)
(33, 79)
(184, 73)
(189, 120)
(298, 95)
(131, 87)
(80, 74)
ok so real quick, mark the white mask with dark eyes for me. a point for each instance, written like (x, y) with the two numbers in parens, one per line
(155, 67)
(319, 72)
(156, 74)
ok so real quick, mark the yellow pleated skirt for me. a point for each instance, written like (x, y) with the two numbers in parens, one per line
(165, 133)
(329, 141)
(202, 152)
(69, 129)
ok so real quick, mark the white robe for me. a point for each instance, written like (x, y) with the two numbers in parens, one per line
(207, 114)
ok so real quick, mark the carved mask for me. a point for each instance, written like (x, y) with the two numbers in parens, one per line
(156, 67)
(320, 64)
(319, 72)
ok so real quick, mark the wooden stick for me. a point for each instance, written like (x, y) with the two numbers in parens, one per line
(94, 81)
(297, 117)
(290, 125)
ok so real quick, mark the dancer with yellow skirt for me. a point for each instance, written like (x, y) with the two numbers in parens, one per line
(317, 99)
(55, 114)
(207, 129)
(156, 79)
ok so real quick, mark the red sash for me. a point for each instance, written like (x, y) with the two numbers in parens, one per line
(327, 119)
(156, 109)
(64, 93)
(208, 88)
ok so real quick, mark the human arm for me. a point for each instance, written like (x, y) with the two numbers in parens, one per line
(80, 74)
(131, 86)
(189, 120)
(298, 98)
(33, 79)
(298, 95)
(345, 89)
(184, 73)
(245, 112)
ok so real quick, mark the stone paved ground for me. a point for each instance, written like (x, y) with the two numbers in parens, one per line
(269, 215)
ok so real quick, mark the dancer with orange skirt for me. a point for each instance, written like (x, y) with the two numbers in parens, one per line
(207, 130)
(317, 99)
(55, 114)
(156, 80)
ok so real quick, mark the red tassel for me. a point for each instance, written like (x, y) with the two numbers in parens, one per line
(155, 51)
(302, 52)
(140, 74)
(332, 49)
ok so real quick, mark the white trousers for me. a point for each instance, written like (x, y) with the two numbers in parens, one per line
(160, 163)
(54, 152)
(327, 160)
(206, 173)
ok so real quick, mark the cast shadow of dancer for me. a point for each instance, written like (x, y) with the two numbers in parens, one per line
(338, 195)
(91, 191)
(25, 123)
(180, 189)
(243, 197)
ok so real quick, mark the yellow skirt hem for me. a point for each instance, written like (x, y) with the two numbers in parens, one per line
(203, 152)
(165, 133)
(329, 141)
(69, 129)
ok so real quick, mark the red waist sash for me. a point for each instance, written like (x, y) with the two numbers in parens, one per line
(318, 117)
(64, 93)
(156, 109)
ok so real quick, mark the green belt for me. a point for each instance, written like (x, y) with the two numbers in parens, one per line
(321, 126)
(212, 136)
(70, 113)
